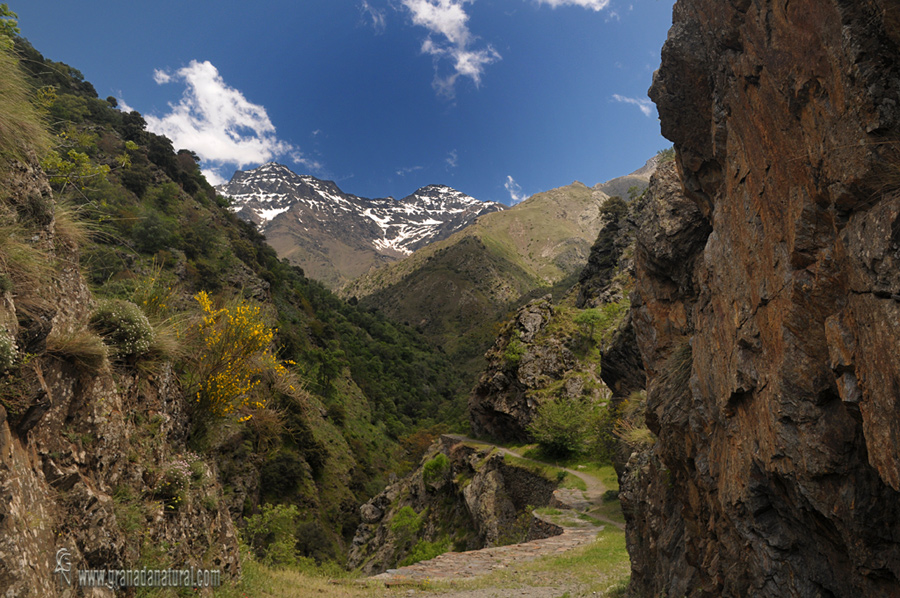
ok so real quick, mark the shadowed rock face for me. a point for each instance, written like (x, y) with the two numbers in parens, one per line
(499, 405)
(768, 315)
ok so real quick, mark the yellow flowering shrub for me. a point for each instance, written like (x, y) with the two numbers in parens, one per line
(234, 358)
(153, 293)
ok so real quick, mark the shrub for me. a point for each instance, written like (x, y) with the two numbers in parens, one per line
(272, 534)
(435, 469)
(234, 358)
(8, 350)
(153, 292)
(598, 323)
(424, 551)
(565, 428)
(514, 352)
(406, 524)
(614, 207)
(666, 155)
(176, 481)
(153, 233)
(123, 325)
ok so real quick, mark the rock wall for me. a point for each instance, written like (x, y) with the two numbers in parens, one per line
(479, 499)
(768, 317)
(86, 450)
(500, 405)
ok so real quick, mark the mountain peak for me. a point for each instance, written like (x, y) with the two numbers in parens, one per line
(335, 236)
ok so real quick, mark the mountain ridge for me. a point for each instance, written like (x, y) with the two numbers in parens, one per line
(336, 236)
(454, 290)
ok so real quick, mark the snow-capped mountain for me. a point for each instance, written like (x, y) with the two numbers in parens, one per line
(335, 236)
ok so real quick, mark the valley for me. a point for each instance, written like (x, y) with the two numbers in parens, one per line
(678, 382)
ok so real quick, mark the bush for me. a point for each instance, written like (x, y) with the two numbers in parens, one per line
(233, 359)
(514, 352)
(425, 551)
(435, 469)
(614, 207)
(123, 325)
(175, 483)
(272, 534)
(598, 323)
(567, 428)
(666, 155)
(406, 524)
(8, 350)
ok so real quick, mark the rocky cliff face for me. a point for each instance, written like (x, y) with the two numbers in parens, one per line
(534, 359)
(463, 496)
(768, 317)
(93, 456)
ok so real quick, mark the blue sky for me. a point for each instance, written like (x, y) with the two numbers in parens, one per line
(497, 98)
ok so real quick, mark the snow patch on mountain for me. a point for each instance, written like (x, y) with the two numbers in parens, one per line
(272, 192)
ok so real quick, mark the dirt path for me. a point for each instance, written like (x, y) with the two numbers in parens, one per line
(577, 531)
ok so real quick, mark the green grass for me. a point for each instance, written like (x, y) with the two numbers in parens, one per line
(260, 581)
(610, 510)
(605, 472)
(548, 472)
(21, 127)
(571, 481)
(599, 569)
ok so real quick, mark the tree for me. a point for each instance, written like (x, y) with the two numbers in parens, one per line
(614, 207)
(9, 27)
(563, 427)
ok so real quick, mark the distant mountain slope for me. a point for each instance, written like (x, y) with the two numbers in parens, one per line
(455, 290)
(335, 236)
(640, 179)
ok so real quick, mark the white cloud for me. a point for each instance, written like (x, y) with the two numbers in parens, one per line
(161, 77)
(408, 170)
(596, 5)
(643, 104)
(217, 121)
(122, 106)
(374, 16)
(449, 38)
(313, 166)
(213, 177)
(515, 190)
(452, 159)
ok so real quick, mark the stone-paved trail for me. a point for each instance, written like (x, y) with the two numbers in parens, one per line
(466, 565)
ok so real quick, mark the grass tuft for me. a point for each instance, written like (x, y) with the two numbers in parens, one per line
(81, 347)
(22, 130)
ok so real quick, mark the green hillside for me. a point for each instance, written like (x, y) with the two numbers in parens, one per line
(455, 291)
(329, 395)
